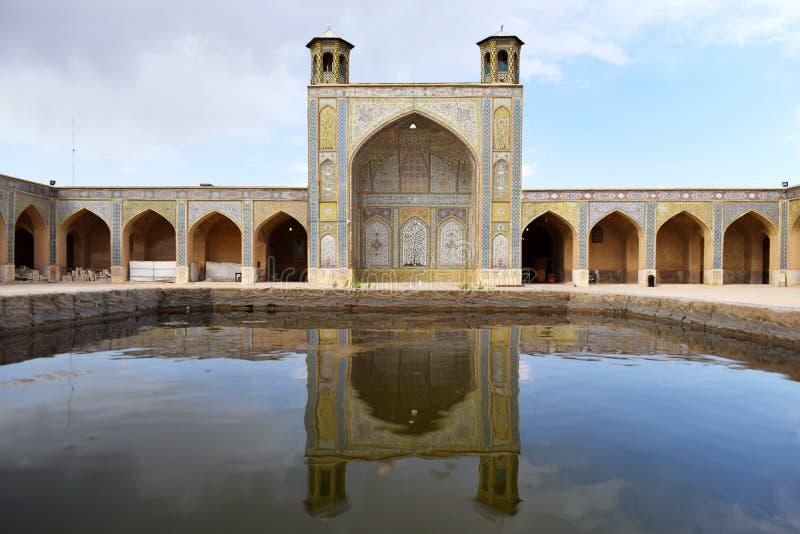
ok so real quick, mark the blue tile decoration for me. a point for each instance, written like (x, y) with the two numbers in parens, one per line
(635, 210)
(650, 243)
(116, 233)
(11, 221)
(486, 191)
(718, 226)
(181, 234)
(101, 208)
(313, 227)
(583, 236)
(734, 210)
(247, 234)
(516, 186)
(198, 210)
(342, 140)
(53, 207)
(784, 235)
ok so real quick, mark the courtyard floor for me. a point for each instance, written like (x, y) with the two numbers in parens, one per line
(756, 295)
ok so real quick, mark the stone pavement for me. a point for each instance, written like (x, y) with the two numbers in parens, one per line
(756, 295)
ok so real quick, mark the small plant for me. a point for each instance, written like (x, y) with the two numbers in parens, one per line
(335, 284)
(480, 285)
(355, 284)
(463, 285)
(369, 285)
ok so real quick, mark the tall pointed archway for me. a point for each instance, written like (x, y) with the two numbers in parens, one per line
(280, 249)
(148, 247)
(547, 250)
(683, 250)
(750, 250)
(615, 249)
(31, 240)
(413, 203)
(84, 241)
(215, 249)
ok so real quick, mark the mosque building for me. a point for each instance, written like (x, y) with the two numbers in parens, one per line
(407, 182)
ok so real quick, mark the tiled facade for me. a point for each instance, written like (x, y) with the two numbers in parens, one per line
(413, 182)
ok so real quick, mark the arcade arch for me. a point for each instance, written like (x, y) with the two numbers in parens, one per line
(547, 249)
(148, 237)
(31, 240)
(794, 253)
(750, 249)
(683, 250)
(3, 241)
(84, 240)
(615, 249)
(280, 249)
(215, 244)
(417, 175)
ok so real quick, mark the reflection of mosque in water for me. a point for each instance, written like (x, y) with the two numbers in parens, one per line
(430, 394)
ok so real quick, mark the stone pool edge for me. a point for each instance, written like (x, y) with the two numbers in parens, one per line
(25, 312)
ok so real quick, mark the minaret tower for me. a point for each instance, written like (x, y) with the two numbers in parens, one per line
(500, 58)
(330, 58)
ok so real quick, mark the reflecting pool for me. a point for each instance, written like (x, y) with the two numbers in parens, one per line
(248, 422)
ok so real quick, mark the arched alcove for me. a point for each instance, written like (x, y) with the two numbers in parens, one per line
(215, 245)
(3, 241)
(794, 253)
(683, 250)
(412, 389)
(280, 249)
(84, 241)
(413, 168)
(750, 249)
(547, 249)
(31, 240)
(616, 256)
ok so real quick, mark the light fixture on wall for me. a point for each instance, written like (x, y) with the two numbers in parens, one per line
(52, 183)
(785, 184)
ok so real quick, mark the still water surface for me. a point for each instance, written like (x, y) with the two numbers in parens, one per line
(249, 423)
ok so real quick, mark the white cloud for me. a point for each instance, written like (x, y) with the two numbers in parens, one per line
(142, 77)
(542, 70)
(529, 170)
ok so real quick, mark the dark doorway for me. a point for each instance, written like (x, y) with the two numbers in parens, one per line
(282, 245)
(23, 248)
(765, 261)
(546, 250)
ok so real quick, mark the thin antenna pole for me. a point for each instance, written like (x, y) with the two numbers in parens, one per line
(73, 151)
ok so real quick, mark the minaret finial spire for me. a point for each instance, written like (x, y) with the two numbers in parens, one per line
(501, 27)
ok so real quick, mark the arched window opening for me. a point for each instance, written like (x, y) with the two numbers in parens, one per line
(616, 258)
(502, 61)
(680, 251)
(487, 63)
(546, 250)
(746, 251)
(327, 62)
(342, 65)
(280, 250)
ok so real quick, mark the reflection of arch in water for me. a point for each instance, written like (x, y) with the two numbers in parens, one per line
(360, 407)
(413, 389)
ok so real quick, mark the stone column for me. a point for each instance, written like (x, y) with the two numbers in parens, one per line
(119, 272)
(7, 274)
(182, 267)
(580, 276)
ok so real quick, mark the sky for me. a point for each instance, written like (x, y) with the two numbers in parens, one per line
(618, 93)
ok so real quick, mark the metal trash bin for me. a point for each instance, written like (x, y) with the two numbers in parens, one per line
(651, 280)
